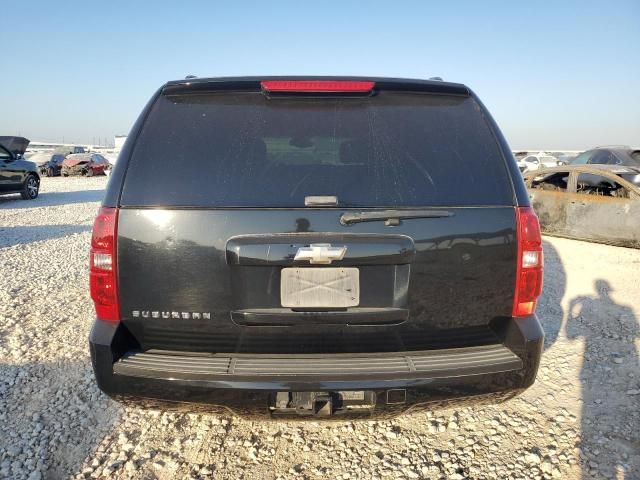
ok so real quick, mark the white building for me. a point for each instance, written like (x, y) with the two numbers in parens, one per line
(118, 141)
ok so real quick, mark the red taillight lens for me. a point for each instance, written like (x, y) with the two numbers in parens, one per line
(530, 261)
(102, 264)
(327, 86)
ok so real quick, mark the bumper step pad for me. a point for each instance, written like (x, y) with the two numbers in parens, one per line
(457, 361)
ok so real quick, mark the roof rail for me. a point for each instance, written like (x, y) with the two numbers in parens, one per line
(613, 146)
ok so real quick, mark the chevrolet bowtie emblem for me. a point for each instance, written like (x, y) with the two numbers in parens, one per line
(320, 253)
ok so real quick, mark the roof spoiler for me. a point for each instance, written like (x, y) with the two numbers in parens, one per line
(197, 85)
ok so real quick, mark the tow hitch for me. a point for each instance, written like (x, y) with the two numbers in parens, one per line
(322, 404)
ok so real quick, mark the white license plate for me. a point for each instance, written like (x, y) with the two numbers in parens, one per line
(319, 287)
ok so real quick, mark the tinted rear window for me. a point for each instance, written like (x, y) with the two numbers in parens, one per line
(245, 150)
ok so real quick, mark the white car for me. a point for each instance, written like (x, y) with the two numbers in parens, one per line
(537, 161)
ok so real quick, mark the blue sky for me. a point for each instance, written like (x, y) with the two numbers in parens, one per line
(553, 74)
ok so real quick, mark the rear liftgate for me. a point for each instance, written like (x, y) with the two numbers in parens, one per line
(331, 288)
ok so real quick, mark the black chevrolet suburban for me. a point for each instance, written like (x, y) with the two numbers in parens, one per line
(315, 248)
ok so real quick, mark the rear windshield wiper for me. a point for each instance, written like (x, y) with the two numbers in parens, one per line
(392, 217)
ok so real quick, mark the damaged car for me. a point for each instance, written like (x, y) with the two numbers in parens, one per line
(596, 203)
(49, 164)
(86, 164)
(621, 155)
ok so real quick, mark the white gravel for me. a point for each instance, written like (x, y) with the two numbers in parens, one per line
(580, 420)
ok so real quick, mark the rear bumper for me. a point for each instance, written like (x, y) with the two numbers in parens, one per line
(255, 385)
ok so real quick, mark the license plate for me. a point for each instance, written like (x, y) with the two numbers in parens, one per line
(319, 287)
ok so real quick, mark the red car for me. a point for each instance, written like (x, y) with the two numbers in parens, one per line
(87, 164)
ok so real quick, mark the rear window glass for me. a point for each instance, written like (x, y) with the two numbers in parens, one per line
(245, 150)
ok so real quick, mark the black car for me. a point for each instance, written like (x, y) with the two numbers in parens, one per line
(17, 175)
(49, 164)
(625, 156)
(315, 247)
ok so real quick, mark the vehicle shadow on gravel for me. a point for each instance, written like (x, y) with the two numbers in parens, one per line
(58, 418)
(554, 289)
(22, 235)
(51, 199)
(610, 444)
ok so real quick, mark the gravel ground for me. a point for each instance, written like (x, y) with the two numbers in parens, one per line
(580, 420)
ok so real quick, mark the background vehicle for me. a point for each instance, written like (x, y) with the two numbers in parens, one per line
(87, 164)
(305, 247)
(609, 156)
(70, 150)
(112, 159)
(17, 175)
(565, 158)
(537, 161)
(49, 164)
(599, 203)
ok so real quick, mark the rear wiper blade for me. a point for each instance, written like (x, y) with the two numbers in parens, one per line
(392, 217)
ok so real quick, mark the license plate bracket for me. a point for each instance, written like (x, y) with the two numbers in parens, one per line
(324, 287)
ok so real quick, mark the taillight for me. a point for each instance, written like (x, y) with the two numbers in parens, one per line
(320, 86)
(530, 261)
(102, 264)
